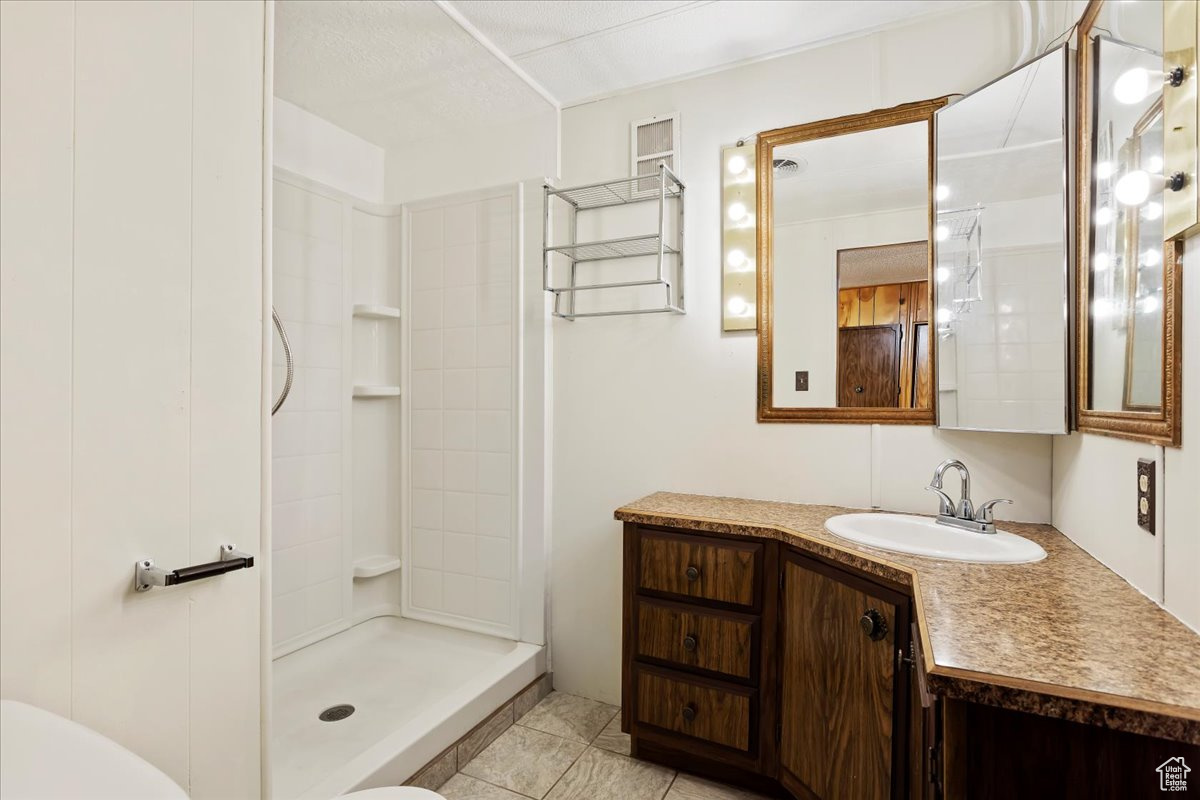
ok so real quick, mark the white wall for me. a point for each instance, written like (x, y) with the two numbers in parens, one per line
(311, 146)
(131, 373)
(496, 155)
(1095, 490)
(666, 402)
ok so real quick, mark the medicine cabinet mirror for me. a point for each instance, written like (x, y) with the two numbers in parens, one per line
(844, 213)
(1002, 252)
(1128, 381)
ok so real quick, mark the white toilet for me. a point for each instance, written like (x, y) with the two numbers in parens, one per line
(36, 746)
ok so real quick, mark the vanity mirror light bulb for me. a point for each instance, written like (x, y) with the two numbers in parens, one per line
(1152, 210)
(941, 233)
(737, 212)
(737, 165)
(1104, 170)
(1154, 164)
(1149, 304)
(942, 274)
(736, 259)
(1101, 308)
(738, 306)
(1152, 258)
(941, 192)
(944, 315)
(1104, 215)
(1101, 262)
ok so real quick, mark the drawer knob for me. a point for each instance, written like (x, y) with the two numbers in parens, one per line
(689, 712)
(873, 624)
(689, 643)
(693, 574)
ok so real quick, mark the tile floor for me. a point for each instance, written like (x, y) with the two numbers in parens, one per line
(572, 748)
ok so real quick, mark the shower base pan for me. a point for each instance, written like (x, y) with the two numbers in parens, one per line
(415, 689)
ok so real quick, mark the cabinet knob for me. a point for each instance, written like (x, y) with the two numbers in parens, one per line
(689, 712)
(873, 624)
(689, 643)
(693, 574)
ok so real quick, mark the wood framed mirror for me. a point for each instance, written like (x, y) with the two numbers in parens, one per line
(1128, 274)
(844, 224)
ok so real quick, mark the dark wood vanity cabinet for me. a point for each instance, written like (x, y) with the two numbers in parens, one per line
(843, 683)
(749, 662)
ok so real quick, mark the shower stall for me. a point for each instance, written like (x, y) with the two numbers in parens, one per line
(407, 547)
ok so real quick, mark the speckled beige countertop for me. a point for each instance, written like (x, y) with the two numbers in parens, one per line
(1063, 637)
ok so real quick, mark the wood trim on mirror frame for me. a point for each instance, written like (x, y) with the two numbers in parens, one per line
(1162, 427)
(921, 111)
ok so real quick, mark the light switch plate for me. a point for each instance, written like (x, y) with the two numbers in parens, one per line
(1145, 494)
(802, 381)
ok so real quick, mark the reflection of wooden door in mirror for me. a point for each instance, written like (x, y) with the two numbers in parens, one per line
(869, 367)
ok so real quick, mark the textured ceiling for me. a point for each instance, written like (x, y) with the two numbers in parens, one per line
(583, 49)
(392, 72)
(400, 71)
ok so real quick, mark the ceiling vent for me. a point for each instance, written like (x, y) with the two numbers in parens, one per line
(650, 141)
(788, 167)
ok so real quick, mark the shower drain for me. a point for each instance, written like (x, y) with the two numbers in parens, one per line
(336, 713)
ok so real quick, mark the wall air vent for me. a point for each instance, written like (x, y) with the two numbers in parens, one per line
(788, 167)
(651, 141)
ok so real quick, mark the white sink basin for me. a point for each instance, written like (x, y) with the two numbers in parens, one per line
(921, 536)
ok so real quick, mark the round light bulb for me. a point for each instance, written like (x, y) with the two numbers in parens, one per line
(1151, 258)
(1105, 170)
(1101, 262)
(737, 306)
(1149, 304)
(735, 259)
(1101, 307)
(1154, 164)
(941, 233)
(737, 212)
(1152, 210)
(942, 274)
(944, 315)
(1104, 215)
(941, 192)
(1132, 87)
(1133, 188)
(737, 165)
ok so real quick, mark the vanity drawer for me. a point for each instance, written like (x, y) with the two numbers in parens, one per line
(699, 567)
(716, 641)
(695, 707)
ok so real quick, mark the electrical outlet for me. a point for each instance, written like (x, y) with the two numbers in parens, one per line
(802, 381)
(1145, 494)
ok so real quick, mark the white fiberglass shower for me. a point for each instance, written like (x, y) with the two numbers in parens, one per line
(407, 591)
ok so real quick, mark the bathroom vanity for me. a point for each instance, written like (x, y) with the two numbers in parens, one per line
(761, 650)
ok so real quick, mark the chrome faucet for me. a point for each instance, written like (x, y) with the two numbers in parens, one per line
(964, 515)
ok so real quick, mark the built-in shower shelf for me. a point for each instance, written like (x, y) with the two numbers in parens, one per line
(368, 311)
(368, 391)
(374, 566)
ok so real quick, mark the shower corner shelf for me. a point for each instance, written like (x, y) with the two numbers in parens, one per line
(367, 391)
(371, 311)
(373, 566)
(660, 188)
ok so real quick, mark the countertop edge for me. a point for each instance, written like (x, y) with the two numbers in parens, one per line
(1134, 715)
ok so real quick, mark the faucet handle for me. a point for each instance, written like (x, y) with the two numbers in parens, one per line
(984, 514)
(947, 509)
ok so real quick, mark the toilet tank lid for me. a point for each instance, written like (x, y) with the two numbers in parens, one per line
(48, 756)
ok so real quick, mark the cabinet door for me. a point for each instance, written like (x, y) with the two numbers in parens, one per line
(843, 702)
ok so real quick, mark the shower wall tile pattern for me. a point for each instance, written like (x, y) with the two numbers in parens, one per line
(307, 545)
(461, 395)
